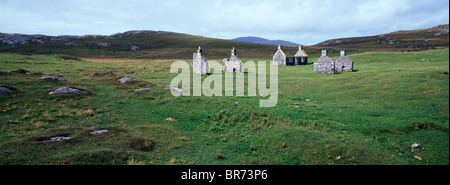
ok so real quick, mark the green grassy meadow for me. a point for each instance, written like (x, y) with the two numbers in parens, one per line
(368, 117)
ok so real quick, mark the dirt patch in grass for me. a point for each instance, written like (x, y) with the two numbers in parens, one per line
(141, 144)
(428, 126)
(88, 112)
(107, 74)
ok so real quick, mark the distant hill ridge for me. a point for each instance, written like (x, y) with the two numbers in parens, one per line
(260, 40)
(409, 40)
(171, 45)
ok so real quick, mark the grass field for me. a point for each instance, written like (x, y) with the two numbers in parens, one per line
(370, 116)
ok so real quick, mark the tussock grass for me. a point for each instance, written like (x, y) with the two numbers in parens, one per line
(370, 116)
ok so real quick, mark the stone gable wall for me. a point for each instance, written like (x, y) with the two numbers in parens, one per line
(324, 65)
(343, 63)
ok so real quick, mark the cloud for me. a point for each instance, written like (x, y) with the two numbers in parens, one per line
(305, 22)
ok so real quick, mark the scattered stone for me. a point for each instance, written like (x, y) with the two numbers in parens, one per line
(237, 102)
(134, 48)
(141, 67)
(4, 73)
(338, 157)
(65, 90)
(180, 90)
(108, 74)
(55, 78)
(58, 138)
(170, 119)
(127, 79)
(95, 74)
(98, 132)
(136, 90)
(415, 147)
(4, 89)
(297, 107)
(23, 71)
(58, 75)
(307, 100)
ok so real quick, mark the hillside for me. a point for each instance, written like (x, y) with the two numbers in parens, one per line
(131, 44)
(170, 45)
(260, 40)
(412, 40)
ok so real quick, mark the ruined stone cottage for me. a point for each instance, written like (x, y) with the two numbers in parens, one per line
(300, 58)
(233, 64)
(343, 63)
(199, 65)
(324, 64)
(279, 58)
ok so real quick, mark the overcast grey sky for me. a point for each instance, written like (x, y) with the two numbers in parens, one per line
(302, 21)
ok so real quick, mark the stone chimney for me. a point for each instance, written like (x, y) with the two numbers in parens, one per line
(199, 51)
(343, 53)
(324, 53)
(233, 51)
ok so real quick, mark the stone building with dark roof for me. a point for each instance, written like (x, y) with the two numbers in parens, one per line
(300, 58)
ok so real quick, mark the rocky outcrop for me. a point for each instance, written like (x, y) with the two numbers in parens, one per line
(68, 90)
(55, 78)
(5, 89)
(23, 71)
(4, 73)
(128, 79)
